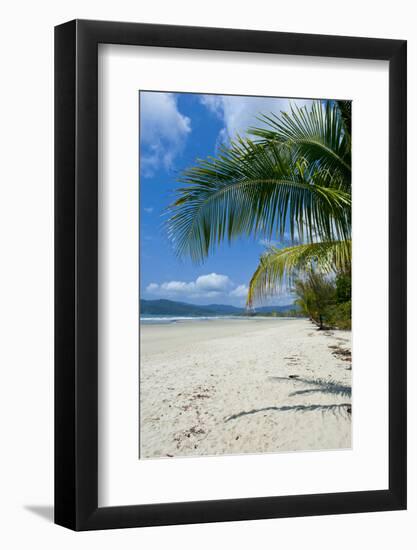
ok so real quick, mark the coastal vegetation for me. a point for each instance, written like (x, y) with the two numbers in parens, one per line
(326, 301)
(290, 176)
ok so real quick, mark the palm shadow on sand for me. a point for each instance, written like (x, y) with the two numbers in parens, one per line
(334, 408)
(317, 386)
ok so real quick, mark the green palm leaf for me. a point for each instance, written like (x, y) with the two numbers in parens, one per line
(345, 108)
(279, 265)
(255, 190)
(319, 135)
(296, 176)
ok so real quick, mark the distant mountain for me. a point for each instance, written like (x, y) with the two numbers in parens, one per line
(221, 308)
(270, 309)
(169, 307)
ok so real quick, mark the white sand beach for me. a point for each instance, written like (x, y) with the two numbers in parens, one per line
(243, 386)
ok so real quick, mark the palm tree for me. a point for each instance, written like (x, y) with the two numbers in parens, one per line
(295, 174)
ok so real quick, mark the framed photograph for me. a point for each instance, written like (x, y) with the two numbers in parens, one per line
(230, 252)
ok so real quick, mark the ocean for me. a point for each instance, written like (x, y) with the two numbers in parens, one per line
(150, 319)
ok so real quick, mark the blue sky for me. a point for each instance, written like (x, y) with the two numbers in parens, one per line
(175, 130)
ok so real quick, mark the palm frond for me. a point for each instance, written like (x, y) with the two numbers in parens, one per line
(319, 135)
(277, 265)
(345, 108)
(253, 190)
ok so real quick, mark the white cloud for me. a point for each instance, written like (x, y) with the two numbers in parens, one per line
(240, 112)
(163, 130)
(283, 242)
(213, 281)
(240, 291)
(177, 287)
(152, 287)
(148, 210)
(268, 243)
(209, 287)
(205, 286)
(214, 103)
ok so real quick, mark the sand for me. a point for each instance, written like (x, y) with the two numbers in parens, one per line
(243, 386)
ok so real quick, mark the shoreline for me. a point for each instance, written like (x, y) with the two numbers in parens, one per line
(167, 320)
(263, 385)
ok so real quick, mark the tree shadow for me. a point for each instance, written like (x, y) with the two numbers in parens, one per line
(333, 408)
(319, 386)
(45, 512)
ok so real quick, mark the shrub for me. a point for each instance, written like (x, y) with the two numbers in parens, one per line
(339, 316)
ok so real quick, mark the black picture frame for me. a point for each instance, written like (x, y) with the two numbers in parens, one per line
(76, 272)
